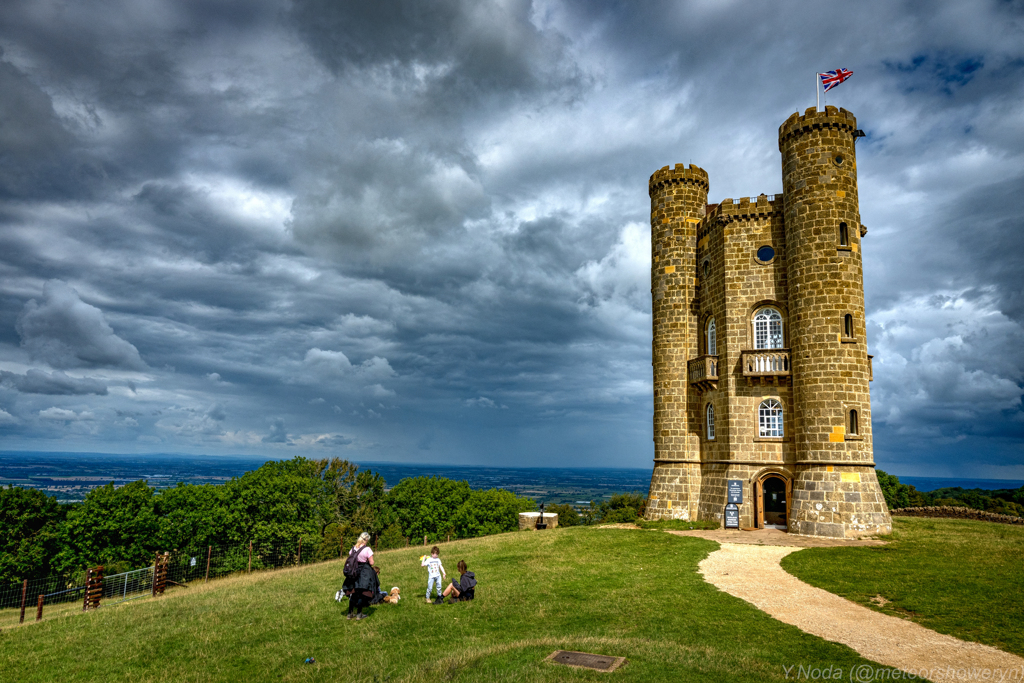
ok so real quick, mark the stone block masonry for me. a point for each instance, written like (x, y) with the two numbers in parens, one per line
(760, 361)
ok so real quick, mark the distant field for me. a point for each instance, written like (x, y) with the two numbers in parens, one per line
(955, 576)
(634, 594)
(70, 476)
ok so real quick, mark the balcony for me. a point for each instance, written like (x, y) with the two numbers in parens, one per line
(766, 365)
(703, 372)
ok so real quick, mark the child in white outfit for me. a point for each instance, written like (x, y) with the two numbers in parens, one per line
(435, 570)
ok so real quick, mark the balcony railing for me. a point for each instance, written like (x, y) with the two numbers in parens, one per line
(703, 372)
(766, 364)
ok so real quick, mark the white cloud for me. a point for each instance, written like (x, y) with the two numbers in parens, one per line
(64, 415)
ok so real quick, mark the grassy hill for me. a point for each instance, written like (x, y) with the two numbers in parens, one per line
(617, 592)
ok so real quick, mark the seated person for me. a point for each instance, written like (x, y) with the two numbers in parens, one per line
(463, 589)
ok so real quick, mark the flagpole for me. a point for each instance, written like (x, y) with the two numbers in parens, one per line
(817, 94)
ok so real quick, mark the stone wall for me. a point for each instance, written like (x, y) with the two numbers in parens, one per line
(956, 512)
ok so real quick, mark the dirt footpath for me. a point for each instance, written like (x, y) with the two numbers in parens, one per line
(752, 572)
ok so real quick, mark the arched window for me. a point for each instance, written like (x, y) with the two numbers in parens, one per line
(769, 418)
(848, 325)
(712, 338)
(844, 235)
(768, 329)
(711, 422)
(854, 420)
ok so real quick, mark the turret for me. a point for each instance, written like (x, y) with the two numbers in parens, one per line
(678, 201)
(835, 491)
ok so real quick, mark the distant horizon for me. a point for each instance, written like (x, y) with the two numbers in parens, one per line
(905, 478)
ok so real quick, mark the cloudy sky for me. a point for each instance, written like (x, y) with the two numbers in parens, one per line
(420, 231)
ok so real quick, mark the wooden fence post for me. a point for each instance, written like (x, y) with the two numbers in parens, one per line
(39, 608)
(300, 552)
(24, 588)
(160, 573)
(424, 540)
(85, 598)
(156, 566)
(209, 551)
(94, 588)
(250, 557)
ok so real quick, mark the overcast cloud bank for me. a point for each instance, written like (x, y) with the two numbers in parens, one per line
(420, 232)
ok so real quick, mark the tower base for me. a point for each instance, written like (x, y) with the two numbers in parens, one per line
(840, 501)
(675, 490)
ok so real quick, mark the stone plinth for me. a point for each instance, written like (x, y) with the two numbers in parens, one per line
(528, 520)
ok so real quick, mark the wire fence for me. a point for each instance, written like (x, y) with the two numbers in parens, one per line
(37, 599)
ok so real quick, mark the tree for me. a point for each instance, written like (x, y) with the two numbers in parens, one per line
(391, 538)
(29, 533)
(115, 527)
(567, 515)
(489, 512)
(425, 506)
(623, 507)
(275, 504)
(898, 495)
(191, 516)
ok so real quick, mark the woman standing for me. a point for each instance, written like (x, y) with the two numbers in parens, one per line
(364, 585)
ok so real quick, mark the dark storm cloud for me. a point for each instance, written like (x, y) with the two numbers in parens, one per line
(54, 383)
(66, 332)
(421, 231)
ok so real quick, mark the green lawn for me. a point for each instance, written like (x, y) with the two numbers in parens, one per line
(955, 576)
(611, 591)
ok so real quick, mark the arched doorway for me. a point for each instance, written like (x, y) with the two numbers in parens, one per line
(772, 505)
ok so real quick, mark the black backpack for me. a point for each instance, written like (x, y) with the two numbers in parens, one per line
(351, 569)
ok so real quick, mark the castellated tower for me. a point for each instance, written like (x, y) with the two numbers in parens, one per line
(678, 200)
(760, 362)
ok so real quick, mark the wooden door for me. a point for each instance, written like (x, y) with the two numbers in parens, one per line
(758, 504)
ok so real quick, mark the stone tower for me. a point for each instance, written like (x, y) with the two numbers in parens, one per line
(678, 200)
(760, 362)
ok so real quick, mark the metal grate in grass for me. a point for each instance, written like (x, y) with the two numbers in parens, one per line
(586, 660)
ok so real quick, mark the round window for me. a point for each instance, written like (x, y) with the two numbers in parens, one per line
(765, 253)
(839, 160)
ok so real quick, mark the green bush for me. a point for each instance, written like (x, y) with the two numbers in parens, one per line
(899, 495)
(391, 538)
(425, 506)
(620, 516)
(489, 512)
(567, 515)
(30, 523)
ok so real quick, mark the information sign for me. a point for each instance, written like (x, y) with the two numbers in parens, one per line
(735, 491)
(732, 516)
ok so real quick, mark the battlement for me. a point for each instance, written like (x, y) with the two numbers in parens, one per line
(812, 119)
(745, 209)
(694, 175)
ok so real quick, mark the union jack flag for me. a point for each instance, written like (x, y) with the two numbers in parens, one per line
(831, 79)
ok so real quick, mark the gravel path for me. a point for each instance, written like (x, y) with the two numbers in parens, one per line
(753, 573)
